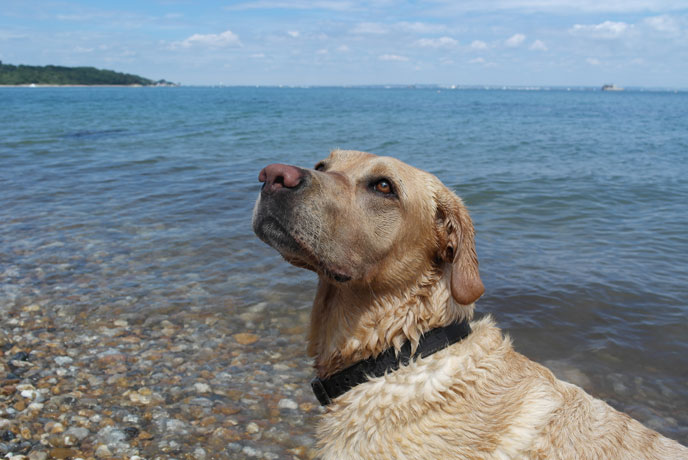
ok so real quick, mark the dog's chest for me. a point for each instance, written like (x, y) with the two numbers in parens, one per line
(440, 405)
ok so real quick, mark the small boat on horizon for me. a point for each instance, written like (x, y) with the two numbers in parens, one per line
(611, 87)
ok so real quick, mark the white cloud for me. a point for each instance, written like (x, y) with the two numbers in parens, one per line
(421, 27)
(593, 61)
(226, 38)
(370, 28)
(483, 62)
(293, 33)
(322, 51)
(607, 29)
(443, 42)
(559, 6)
(294, 5)
(664, 23)
(393, 57)
(538, 45)
(378, 28)
(478, 45)
(515, 40)
(343, 49)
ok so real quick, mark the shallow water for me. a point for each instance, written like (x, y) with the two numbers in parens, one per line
(138, 201)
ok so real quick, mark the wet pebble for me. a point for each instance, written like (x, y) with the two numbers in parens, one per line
(63, 360)
(245, 338)
(38, 455)
(131, 432)
(287, 404)
(252, 428)
(103, 451)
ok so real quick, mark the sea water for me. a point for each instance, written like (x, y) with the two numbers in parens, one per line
(142, 198)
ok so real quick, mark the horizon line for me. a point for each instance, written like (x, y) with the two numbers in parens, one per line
(378, 86)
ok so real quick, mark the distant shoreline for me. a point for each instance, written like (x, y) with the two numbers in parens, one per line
(86, 86)
(57, 76)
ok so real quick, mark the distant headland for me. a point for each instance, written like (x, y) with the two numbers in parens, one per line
(51, 75)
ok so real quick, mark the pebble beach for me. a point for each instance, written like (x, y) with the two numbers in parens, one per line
(184, 385)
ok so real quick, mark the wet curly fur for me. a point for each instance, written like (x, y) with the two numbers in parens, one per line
(410, 265)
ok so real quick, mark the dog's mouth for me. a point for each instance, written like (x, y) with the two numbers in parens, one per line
(295, 250)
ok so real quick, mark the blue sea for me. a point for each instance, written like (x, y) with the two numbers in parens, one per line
(116, 200)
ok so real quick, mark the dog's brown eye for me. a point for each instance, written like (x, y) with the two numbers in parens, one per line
(383, 186)
(320, 166)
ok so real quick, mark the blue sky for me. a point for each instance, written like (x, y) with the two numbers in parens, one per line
(352, 42)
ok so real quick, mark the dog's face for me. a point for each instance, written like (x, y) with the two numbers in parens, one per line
(358, 218)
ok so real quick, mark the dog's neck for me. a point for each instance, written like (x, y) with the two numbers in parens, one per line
(349, 324)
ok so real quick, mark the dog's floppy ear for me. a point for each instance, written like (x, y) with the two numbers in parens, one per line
(457, 247)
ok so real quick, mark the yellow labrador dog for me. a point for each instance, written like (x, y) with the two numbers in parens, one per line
(401, 371)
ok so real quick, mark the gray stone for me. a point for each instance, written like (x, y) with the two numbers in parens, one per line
(78, 432)
(38, 455)
(175, 426)
(111, 435)
(287, 404)
(201, 387)
(63, 360)
(103, 451)
(199, 453)
(251, 452)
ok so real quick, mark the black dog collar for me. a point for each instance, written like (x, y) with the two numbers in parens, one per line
(432, 341)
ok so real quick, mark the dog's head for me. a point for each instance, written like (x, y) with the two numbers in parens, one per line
(361, 219)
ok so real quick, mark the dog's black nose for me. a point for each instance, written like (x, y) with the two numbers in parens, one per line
(277, 176)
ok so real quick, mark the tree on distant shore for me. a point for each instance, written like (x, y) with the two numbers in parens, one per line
(58, 75)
